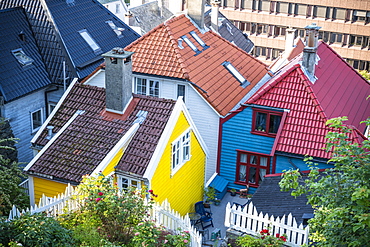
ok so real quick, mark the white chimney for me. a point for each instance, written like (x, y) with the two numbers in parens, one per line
(118, 79)
(129, 18)
(214, 14)
(309, 51)
(289, 41)
(196, 12)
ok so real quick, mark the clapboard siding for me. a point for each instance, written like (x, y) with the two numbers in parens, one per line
(282, 163)
(19, 112)
(236, 134)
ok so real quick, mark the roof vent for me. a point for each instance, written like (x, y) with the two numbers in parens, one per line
(50, 132)
(179, 44)
(70, 3)
(22, 36)
(117, 30)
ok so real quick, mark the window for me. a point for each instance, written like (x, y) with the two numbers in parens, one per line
(282, 7)
(87, 37)
(266, 122)
(22, 58)
(264, 5)
(359, 15)
(190, 44)
(339, 14)
(180, 151)
(236, 73)
(181, 91)
(300, 9)
(125, 182)
(251, 168)
(146, 87)
(246, 4)
(117, 8)
(319, 11)
(51, 107)
(36, 120)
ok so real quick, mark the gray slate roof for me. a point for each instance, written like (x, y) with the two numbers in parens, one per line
(230, 32)
(17, 79)
(56, 25)
(269, 199)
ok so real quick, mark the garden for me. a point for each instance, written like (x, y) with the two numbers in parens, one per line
(106, 217)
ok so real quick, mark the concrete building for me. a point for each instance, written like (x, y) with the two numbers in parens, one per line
(345, 25)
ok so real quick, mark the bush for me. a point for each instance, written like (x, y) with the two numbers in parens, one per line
(264, 238)
(35, 231)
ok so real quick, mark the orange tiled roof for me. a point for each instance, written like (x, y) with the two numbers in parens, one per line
(158, 53)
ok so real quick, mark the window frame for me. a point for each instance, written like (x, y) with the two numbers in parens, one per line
(51, 107)
(178, 94)
(267, 124)
(90, 41)
(21, 57)
(129, 182)
(32, 120)
(248, 165)
(182, 153)
(149, 91)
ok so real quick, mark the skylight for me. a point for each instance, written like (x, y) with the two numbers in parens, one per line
(190, 44)
(22, 57)
(198, 39)
(87, 37)
(229, 28)
(236, 74)
(117, 30)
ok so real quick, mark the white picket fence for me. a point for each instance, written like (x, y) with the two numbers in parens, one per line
(248, 220)
(67, 202)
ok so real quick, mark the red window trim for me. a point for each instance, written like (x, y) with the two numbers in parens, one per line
(257, 166)
(264, 133)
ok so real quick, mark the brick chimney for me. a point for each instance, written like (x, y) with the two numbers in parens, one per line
(118, 79)
(214, 14)
(196, 12)
(309, 51)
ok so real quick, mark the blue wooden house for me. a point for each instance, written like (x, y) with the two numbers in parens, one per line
(285, 120)
(44, 45)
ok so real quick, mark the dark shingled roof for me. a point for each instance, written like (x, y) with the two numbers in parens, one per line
(17, 80)
(230, 32)
(269, 199)
(56, 25)
(89, 138)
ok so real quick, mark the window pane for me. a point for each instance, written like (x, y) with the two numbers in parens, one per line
(141, 86)
(242, 173)
(252, 174)
(260, 121)
(243, 158)
(181, 91)
(262, 173)
(263, 161)
(36, 119)
(320, 11)
(154, 88)
(282, 8)
(302, 9)
(246, 4)
(253, 160)
(274, 123)
(265, 5)
(124, 183)
(339, 14)
(134, 183)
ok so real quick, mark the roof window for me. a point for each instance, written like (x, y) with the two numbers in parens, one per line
(229, 28)
(87, 37)
(236, 74)
(191, 45)
(117, 30)
(22, 58)
(199, 40)
(70, 3)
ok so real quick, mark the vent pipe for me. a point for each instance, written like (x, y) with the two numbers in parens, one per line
(50, 132)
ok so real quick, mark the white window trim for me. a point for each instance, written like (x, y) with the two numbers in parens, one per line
(120, 177)
(42, 117)
(89, 40)
(147, 90)
(50, 104)
(176, 91)
(182, 161)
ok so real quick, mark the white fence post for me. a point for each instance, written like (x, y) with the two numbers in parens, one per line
(248, 220)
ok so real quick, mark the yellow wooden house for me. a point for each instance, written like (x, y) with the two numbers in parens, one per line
(141, 141)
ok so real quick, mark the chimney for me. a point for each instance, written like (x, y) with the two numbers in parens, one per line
(161, 6)
(118, 79)
(196, 12)
(129, 18)
(309, 51)
(214, 14)
(289, 41)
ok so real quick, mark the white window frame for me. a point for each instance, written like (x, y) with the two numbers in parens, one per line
(130, 182)
(41, 119)
(148, 89)
(21, 57)
(180, 151)
(177, 91)
(51, 107)
(89, 40)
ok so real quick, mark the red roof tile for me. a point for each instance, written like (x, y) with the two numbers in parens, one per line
(88, 139)
(311, 105)
(157, 53)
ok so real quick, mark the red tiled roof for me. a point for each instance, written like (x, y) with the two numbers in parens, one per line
(157, 53)
(83, 145)
(311, 105)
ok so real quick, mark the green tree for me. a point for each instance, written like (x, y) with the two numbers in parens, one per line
(365, 74)
(341, 195)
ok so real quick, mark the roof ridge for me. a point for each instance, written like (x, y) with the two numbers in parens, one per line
(143, 37)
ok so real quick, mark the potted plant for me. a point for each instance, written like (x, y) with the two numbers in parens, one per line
(209, 195)
(233, 192)
(217, 202)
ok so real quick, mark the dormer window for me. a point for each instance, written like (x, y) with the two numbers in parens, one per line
(191, 45)
(87, 37)
(22, 58)
(199, 40)
(265, 122)
(236, 74)
(117, 30)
